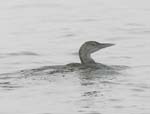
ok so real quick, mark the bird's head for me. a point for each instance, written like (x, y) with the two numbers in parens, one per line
(93, 46)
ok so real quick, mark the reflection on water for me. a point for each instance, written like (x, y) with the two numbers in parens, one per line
(83, 89)
(46, 33)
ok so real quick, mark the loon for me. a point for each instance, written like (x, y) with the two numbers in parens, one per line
(87, 62)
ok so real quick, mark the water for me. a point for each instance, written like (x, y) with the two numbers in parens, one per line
(40, 33)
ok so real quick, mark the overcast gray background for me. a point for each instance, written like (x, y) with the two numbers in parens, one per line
(36, 33)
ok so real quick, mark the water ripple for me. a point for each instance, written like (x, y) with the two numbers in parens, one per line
(23, 53)
(37, 5)
(9, 86)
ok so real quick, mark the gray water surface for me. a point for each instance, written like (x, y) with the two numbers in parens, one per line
(45, 33)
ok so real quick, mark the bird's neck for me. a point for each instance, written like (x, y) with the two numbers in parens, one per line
(85, 57)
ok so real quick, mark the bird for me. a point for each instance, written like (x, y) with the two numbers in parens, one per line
(87, 62)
